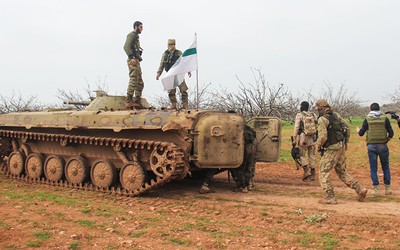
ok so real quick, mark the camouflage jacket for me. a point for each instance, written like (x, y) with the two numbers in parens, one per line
(323, 124)
(132, 46)
(164, 60)
(298, 136)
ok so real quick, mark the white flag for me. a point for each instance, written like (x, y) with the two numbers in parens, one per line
(186, 63)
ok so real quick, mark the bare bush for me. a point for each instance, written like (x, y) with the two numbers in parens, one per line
(395, 98)
(257, 99)
(18, 103)
(84, 95)
(346, 103)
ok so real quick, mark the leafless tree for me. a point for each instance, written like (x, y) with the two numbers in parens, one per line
(345, 102)
(81, 96)
(257, 99)
(17, 103)
(395, 96)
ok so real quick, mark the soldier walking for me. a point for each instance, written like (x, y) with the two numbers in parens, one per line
(305, 134)
(169, 57)
(134, 52)
(333, 134)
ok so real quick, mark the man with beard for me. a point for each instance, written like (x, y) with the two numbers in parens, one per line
(134, 52)
(333, 134)
(169, 57)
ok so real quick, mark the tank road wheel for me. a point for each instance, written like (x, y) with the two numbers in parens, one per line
(16, 162)
(103, 174)
(54, 168)
(76, 170)
(132, 176)
(161, 161)
(34, 166)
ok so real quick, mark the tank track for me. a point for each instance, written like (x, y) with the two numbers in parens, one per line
(175, 171)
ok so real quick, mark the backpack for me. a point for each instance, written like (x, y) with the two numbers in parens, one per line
(308, 125)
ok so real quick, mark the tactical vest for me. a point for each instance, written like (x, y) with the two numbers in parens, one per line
(336, 130)
(170, 59)
(377, 132)
(135, 46)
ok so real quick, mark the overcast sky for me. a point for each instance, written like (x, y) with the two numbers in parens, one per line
(50, 45)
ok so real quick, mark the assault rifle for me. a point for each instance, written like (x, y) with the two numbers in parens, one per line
(295, 153)
(393, 114)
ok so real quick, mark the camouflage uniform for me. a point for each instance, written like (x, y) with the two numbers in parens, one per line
(334, 154)
(133, 50)
(244, 175)
(306, 144)
(167, 60)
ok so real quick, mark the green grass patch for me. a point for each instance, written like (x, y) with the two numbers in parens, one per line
(4, 225)
(86, 223)
(137, 234)
(40, 237)
(353, 238)
(11, 247)
(56, 198)
(18, 195)
(74, 246)
(329, 241)
(34, 243)
(179, 241)
(86, 210)
(108, 211)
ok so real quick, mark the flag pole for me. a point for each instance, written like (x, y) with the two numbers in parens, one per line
(197, 87)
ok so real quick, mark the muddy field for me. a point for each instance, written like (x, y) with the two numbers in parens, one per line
(281, 213)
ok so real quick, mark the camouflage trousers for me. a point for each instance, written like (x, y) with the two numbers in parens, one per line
(310, 151)
(244, 174)
(334, 159)
(183, 89)
(136, 85)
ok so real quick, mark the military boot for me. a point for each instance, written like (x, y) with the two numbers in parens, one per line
(306, 173)
(173, 105)
(128, 102)
(330, 198)
(362, 192)
(377, 190)
(136, 103)
(241, 190)
(388, 191)
(312, 176)
(205, 189)
(251, 185)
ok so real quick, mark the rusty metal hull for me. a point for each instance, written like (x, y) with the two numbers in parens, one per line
(133, 150)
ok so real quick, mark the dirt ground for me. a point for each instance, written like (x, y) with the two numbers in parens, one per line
(281, 213)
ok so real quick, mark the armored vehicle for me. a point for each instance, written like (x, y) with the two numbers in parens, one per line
(108, 148)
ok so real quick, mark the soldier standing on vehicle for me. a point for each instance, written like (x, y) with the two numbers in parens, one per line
(379, 132)
(333, 134)
(134, 52)
(169, 57)
(305, 136)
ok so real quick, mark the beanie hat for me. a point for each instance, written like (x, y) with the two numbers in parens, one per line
(304, 106)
